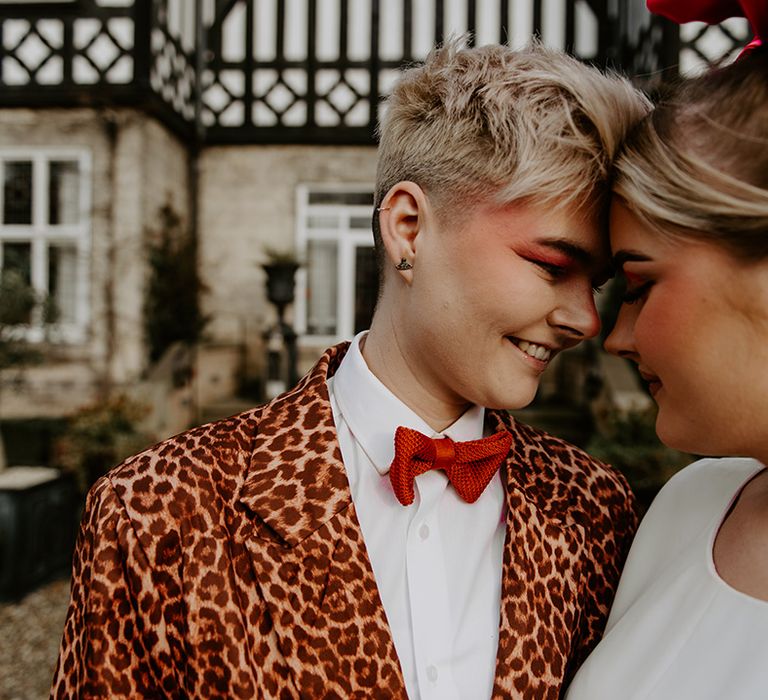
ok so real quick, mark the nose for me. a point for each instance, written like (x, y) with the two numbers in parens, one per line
(621, 340)
(576, 315)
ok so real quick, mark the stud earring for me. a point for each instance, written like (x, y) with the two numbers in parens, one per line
(383, 208)
(403, 265)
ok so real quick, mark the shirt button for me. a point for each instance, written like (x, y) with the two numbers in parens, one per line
(424, 533)
(432, 673)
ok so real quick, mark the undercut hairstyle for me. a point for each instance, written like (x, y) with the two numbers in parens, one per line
(697, 166)
(497, 125)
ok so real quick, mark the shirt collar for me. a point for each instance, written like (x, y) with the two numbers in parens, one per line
(373, 413)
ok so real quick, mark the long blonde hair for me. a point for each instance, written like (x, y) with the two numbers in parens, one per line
(697, 166)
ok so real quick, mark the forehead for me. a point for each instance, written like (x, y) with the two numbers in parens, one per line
(629, 232)
(579, 233)
(686, 260)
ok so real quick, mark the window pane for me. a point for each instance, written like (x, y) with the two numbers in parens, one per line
(62, 284)
(17, 193)
(17, 259)
(322, 271)
(363, 222)
(16, 297)
(364, 198)
(366, 286)
(316, 222)
(64, 192)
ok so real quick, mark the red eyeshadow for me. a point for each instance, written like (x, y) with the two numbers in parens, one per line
(547, 256)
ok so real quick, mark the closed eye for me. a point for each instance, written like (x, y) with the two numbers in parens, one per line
(635, 294)
(556, 271)
(599, 282)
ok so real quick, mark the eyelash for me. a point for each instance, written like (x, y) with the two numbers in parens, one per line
(555, 270)
(632, 296)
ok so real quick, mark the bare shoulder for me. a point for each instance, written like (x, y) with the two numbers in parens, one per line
(741, 547)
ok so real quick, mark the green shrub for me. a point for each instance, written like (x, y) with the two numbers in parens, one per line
(172, 304)
(98, 437)
(30, 441)
(17, 301)
(628, 441)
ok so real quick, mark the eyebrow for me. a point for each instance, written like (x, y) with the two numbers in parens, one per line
(625, 256)
(581, 255)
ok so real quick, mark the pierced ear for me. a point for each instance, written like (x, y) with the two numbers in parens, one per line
(402, 216)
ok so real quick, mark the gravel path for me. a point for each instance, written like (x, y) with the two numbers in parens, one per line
(30, 632)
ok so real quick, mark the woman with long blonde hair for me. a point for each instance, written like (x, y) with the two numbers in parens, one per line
(689, 233)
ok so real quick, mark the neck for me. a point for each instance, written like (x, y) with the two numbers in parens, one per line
(386, 354)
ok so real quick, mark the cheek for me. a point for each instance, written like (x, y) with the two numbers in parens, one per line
(647, 333)
(660, 327)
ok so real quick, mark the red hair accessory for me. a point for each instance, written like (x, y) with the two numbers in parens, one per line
(714, 12)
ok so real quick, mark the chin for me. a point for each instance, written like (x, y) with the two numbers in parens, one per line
(516, 405)
(678, 438)
(511, 401)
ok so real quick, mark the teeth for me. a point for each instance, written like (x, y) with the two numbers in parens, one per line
(537, 351)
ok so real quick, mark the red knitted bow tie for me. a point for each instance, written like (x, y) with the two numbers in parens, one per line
(470, 465)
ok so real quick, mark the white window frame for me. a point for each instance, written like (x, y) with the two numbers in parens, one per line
(40, 234)
(348, 239)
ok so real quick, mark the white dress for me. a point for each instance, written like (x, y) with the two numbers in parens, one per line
(677, 631)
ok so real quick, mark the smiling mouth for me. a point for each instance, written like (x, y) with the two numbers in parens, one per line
(537, 352)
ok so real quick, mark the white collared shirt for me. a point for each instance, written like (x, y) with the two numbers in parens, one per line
(437, 562)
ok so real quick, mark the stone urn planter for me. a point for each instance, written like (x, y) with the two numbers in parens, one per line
(282, 372)
(281, 284)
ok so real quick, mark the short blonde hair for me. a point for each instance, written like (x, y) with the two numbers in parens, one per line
(497, 124)
(697, 166)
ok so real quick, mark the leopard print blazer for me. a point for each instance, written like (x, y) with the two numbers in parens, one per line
(228, 562)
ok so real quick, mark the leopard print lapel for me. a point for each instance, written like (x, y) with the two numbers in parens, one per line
(311, 561)
(318, 581)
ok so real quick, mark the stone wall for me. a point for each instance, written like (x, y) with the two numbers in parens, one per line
(137, 165)
(247, 199)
